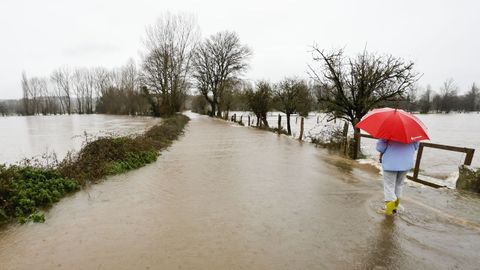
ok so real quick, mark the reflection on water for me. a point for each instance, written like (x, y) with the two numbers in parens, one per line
(385, 251)
(239, 198)
(28, 136)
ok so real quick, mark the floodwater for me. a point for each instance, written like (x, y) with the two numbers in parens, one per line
(32, 136)
(456, 129)
(227, 197)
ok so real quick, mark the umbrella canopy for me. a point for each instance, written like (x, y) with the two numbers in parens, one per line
(394, 125)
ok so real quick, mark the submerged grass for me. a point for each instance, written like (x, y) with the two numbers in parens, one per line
(24, 190)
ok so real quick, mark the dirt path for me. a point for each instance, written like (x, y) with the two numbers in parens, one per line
(226, 197)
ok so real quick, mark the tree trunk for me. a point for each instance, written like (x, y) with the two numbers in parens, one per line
(69, 105)
(345, 138)
(219, 111)
(356, 140)
(279, 123)
(212, 105)
(300, 138)
(289, 130)
(264, 120)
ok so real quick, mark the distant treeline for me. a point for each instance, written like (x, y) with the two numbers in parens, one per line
(176, 62)
(445, 100)
(416, 99)
(118, 92)
(83, 91)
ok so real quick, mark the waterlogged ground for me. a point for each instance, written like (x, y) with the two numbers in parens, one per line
(228, 197)
(457, 129)
(33, 136)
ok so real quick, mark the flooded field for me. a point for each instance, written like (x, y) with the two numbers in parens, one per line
(29, 136)
(22, 137)
(455, 129)
(227, 197)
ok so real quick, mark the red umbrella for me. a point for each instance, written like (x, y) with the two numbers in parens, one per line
(393, 124)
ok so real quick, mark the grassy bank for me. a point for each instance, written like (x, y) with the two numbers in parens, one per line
(24, 190)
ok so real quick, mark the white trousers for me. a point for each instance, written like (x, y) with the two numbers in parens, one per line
(393, 184)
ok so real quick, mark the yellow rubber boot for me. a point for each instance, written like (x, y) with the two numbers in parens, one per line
(389, 207)
(397, 203)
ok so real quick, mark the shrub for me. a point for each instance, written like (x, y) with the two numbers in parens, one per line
(330, 137)
(23, 191)
(107, 155)
(26, 189)
(132, 161)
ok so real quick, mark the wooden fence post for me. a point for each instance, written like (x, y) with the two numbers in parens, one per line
(249, 120)
(300, 138)
(417, 162)
(416, 170)
(469, 157)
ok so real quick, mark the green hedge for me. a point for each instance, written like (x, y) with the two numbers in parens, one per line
(26, 190)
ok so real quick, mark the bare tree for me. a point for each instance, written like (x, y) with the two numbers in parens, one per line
(305, 99)
(199, 105)
(36, 86)
(117, 91)
(120, 91)
(472, 99)
(218, 61)
(61, 82)
(231, 93)
(130, 86)
(129, 75)
(27, 108)
(260, 101)
(437, 103)
(409, 102)
(46, 101)
(37, 98)
(103, 80)
(292, 95)
(448, 93)
(167, 63)
(425, 102)
(79, 89)
(3, 109)
(356, 85)
(90, 83)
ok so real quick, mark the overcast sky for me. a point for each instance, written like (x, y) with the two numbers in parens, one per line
(441, 37)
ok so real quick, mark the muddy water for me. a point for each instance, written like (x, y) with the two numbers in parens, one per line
(30, 136)
(225, 197)
(457, 129)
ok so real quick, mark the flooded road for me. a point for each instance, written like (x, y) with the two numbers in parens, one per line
(228, 197)
(456, 129)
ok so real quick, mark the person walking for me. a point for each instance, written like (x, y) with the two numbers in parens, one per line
(399, 134)
(396, 159)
